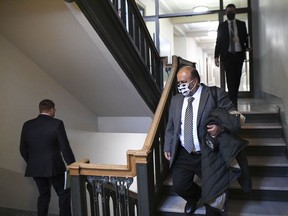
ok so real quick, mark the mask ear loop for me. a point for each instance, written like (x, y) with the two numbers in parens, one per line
(193, 86)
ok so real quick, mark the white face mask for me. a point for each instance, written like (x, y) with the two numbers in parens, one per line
(183, 88)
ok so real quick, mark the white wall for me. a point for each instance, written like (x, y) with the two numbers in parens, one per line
(22, 85)
(106, 144)
(188, 49)
(124, 124)
(270, 33)
(272, 51)
(180, 47)
(166, 39)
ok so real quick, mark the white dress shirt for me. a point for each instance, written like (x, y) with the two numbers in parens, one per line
(238, 47)
(195, 105)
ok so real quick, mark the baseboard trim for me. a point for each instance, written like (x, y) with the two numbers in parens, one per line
(18, 212)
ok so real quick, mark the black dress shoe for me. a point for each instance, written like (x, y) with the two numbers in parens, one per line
(210, 211)
(190, 208)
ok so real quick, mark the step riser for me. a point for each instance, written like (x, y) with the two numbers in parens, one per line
(261, 133)
(266, 150)
(262, 118)
(263, 195)
(269, 171)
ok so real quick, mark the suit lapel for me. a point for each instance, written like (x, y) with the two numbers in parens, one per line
(202, 103)
(226, 26)
(226, 34)
(178, 110)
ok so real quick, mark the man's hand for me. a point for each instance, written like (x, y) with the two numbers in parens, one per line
(216, 61)
(214, 130)
(167, 155)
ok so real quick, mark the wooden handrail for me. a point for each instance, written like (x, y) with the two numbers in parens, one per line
(161, 106)
(134, 157)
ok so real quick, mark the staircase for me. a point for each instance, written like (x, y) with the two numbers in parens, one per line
(268, 167)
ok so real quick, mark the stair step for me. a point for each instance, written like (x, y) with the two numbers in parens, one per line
(267, 125)
(267, 183)
(257, 208)
(263, 188)
(268, 165)
(266, 150)
(268, 161)
(266, 146)
(261, 117)
(266, 154)
(264, 183)
(176, 204)
(275, 142)
(262, 130)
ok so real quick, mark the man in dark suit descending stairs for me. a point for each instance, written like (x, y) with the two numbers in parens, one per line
(185, 159)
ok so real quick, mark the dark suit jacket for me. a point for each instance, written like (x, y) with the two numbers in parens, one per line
(208, 102)
(223, 39)
(43, 142)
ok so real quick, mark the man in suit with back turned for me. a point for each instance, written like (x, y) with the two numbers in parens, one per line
(43, 144)
(231, 44)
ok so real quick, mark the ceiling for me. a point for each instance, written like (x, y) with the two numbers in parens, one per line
(57, 37)
(202, 28)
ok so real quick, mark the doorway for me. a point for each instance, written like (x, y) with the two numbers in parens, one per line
(178, 29)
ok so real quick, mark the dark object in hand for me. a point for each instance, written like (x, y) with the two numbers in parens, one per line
(212, 143)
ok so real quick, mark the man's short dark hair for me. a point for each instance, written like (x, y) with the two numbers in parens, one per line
(195, 74)
(231, 5)
(46, 105)
(193, 71)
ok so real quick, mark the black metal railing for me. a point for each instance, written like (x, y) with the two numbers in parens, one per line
(136, 27)
(111, 196)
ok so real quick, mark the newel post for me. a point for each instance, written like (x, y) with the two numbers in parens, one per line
(145, 185)
(78, 189)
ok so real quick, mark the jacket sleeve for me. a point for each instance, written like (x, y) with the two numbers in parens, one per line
(218, 43)
(244, 35)
(169, 133)
(24, 148)
(223, 100)
(64, 144)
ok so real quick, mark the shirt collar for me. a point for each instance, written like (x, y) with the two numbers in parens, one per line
(229, 21)
(197, 94)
